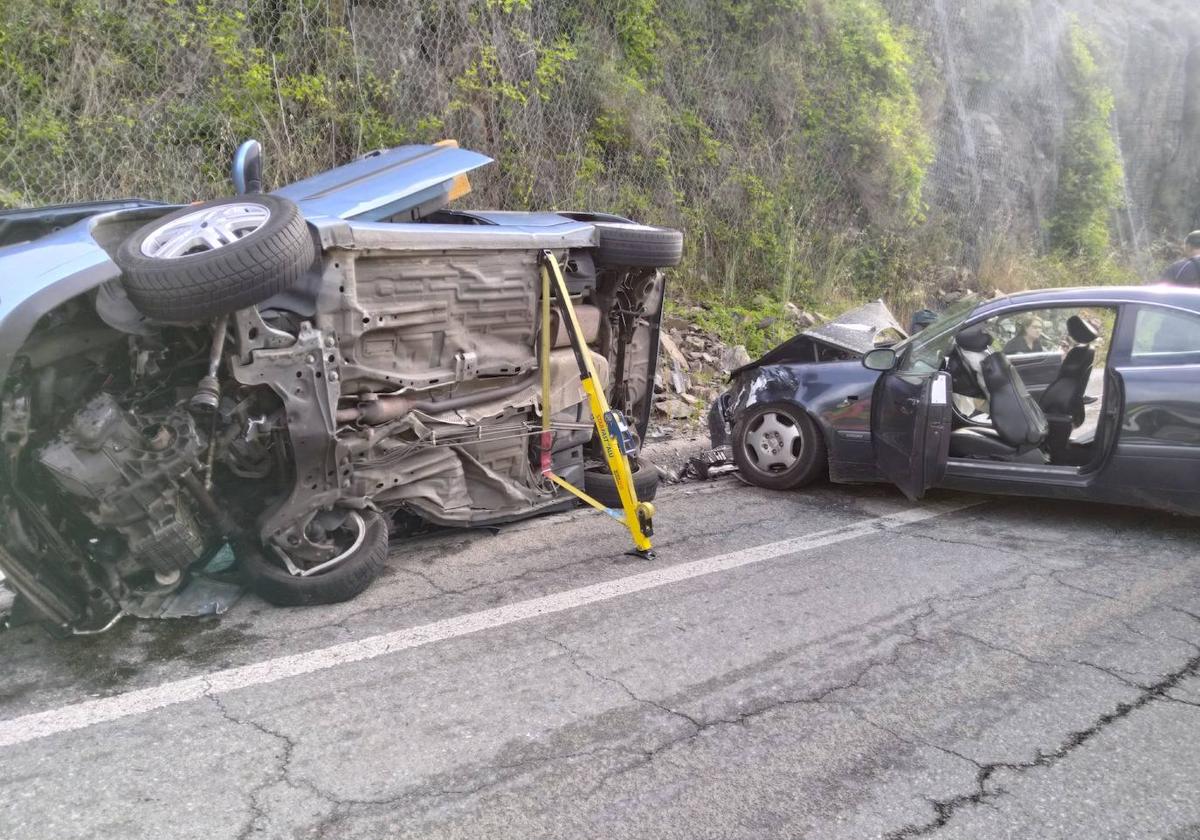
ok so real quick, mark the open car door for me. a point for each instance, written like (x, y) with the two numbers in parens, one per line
(910, 425)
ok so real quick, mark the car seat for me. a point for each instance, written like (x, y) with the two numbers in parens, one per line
(1019, 427)
(1063, 401)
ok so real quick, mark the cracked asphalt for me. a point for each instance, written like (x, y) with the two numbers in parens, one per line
(1019, 668)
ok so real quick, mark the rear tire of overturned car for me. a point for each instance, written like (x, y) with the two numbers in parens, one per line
(210, 259)
(269, 578)
(599, 484)
(621, 244)
(778, 446)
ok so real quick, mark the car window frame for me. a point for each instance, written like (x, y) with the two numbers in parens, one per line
(1119, 335)
(1128, 319)
(948, 325)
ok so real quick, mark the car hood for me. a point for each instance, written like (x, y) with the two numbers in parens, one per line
(856, 332)
(381, 185)
(859, 330)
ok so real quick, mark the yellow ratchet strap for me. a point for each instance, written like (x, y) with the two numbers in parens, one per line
(637, 516)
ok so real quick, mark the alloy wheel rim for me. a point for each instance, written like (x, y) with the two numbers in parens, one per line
(205, 230)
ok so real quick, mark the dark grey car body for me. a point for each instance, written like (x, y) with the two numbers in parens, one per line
(877, 426)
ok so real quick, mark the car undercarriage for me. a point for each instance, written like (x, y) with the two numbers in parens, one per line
(394, 376)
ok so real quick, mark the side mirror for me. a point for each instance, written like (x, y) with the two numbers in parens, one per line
(881, 359)
(247, 168)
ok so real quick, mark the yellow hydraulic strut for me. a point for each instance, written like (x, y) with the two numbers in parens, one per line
(615, 438)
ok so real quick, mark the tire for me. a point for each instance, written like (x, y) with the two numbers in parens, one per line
(630, 245)
(207, 279)
(599, 484)
(266, 575)
(790, 459)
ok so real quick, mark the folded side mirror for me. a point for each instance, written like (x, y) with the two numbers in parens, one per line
(881, 359)
(247, 168)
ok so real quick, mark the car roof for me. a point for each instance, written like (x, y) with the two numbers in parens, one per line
(1162, 294)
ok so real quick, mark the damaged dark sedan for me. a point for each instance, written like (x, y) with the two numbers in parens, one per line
(1088, 393)
(290, 376)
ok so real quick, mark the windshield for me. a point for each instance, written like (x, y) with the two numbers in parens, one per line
(923, 352)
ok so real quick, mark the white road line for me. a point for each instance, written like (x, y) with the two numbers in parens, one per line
(31, 727)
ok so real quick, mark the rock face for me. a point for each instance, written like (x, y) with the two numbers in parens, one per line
(1000, 126)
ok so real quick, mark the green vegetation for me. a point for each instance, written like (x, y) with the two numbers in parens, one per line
(760, 323)
(1090, 179)
(118, 97)
(789, 138)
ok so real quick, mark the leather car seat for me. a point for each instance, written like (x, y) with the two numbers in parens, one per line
(1019, 427)
(965, 364)
(1062, 402)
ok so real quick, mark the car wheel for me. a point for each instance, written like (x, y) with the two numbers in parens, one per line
(210, 259)
(599, 484)
(632, 245)
(361, 543)
(778, 446)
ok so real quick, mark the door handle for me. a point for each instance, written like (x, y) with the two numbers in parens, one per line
(910, 405)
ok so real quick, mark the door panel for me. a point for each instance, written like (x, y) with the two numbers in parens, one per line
(1155, 460)
(1037, 370)
(1157, 453)
(911, 429)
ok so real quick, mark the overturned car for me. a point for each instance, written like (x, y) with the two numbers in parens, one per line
(296, 374)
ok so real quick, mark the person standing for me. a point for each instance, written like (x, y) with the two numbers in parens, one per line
(1185, 272)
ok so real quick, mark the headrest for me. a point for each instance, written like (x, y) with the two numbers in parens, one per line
(1081, 331)
(974, 340)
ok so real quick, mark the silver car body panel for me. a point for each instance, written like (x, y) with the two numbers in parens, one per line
(859, 330)
(421, 236)
(381, 185)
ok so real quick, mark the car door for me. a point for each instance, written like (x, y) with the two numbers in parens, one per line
(1037, 370)
(910, 427)
(1156, 360)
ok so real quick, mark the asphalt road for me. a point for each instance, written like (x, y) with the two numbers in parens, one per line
(834, 663)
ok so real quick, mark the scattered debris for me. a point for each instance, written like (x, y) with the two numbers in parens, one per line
(710, 464)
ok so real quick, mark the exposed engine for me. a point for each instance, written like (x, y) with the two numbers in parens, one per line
(125, 471)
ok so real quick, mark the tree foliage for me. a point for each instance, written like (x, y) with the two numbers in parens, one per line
(1090, 176)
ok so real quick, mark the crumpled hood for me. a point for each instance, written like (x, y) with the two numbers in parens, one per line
(852, 332)
(858, 329)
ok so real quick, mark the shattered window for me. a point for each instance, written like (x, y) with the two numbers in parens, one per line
(924, 352)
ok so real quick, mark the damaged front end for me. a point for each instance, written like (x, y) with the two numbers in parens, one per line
(782, 374)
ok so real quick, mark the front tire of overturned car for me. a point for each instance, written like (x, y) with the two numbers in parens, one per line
(207, 260)
(778, 446)
(267, 575)
(629, 245)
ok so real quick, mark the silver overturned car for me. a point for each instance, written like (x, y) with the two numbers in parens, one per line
(294, 375)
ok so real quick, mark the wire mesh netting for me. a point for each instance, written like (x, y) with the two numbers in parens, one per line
(119, 97)
(792, 140)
